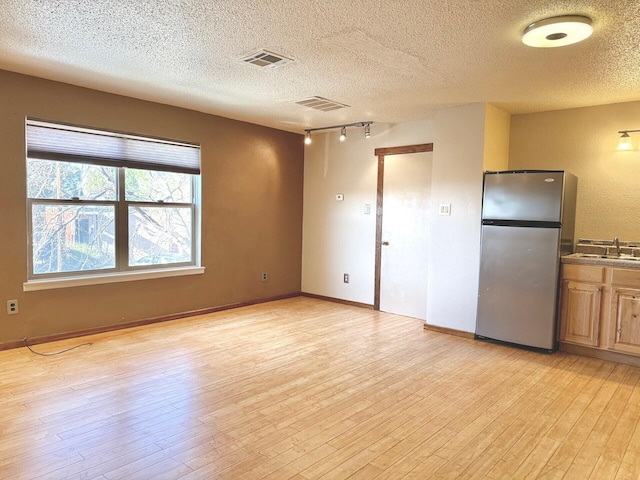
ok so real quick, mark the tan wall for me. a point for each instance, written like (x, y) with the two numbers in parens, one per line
(583, 141)
(252, 179)
(496, 139)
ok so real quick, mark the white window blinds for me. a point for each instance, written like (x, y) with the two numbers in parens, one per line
(51, 141)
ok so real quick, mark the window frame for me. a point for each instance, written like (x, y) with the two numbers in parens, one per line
(121, 271)
(31, 275)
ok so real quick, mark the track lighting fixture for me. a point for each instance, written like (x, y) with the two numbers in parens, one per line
(343, 130)
(625, 142)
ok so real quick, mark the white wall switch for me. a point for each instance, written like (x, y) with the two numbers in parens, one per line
(339, 197)
(367, 209)
(445, 209)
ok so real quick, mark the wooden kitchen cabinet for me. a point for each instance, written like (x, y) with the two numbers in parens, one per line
(580, 313)
(624, 334)
(600, 311)
(581, 304)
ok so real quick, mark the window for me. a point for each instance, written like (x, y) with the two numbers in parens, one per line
(106, 202)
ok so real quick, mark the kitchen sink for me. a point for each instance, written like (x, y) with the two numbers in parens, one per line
(607, 257)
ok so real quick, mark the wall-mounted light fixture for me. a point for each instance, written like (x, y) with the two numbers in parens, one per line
(343, 130)
(625, 142)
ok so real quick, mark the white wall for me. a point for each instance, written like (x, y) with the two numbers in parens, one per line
(454, 247)
(339, 238)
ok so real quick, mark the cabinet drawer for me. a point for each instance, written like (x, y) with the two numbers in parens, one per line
(584, 273)
(626, 277)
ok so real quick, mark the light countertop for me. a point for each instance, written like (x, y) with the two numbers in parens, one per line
(585, 259)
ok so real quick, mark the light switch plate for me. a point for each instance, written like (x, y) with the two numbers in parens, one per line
(445, 209)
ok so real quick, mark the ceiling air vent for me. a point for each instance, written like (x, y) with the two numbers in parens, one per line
(265, 58)
(322, 104)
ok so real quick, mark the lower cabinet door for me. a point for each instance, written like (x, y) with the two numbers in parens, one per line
(580, 313)
(625, 320)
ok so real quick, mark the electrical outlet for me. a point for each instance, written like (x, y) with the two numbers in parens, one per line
(345, 278)
(264, 276)
(12, 307)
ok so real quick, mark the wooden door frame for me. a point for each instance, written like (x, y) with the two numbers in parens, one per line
(381, 153)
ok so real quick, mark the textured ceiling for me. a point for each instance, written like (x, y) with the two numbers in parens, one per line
(389, 60)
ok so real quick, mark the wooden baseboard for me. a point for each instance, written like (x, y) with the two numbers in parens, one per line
(448, 331)
(606, 355)
(337, 300)
(137, 323)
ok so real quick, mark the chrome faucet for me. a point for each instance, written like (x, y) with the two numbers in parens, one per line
(616, 242)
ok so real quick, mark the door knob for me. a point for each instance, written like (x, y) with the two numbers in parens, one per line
(385, 243)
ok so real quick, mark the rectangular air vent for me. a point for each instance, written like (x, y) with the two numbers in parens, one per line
(265, 58)
(322, 104)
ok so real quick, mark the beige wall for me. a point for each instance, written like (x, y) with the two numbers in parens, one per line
(252, 180)
(496, 139)
(583, 141)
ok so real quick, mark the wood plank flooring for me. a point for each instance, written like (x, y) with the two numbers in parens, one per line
(305, 389)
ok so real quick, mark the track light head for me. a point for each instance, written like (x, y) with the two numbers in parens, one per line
(367, 130)
(307, 138)
(343, 134)
(625, 142)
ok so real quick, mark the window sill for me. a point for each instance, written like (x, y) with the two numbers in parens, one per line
(50, 283)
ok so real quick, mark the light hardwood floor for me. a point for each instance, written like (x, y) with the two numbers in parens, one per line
(303, 388)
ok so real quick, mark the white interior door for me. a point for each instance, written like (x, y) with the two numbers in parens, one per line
(405, 231)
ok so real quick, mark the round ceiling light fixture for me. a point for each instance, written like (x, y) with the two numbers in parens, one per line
(557, 31)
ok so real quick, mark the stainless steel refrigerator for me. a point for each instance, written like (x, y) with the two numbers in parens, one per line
(527, 223)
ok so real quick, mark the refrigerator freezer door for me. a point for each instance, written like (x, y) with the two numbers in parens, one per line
(518, 285)
(534, 196)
